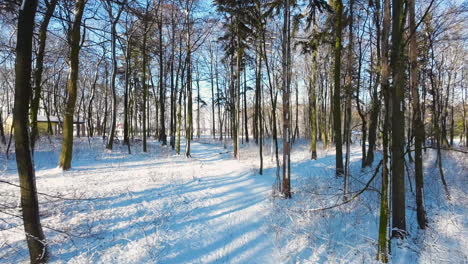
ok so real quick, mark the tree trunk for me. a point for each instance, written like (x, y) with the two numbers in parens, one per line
(126, 138)
(258, 126)
(313, 107)
(115, 20)
(144, 84)
(237, 110)
(348, 92)
(398, 123)
(91, 99)
(179, 114)
(213, 124)
(286, 61)
(2, 130)
(23, 91)
(338, 7)
(106, 106)
(418, 126)
(189, 126)
(162, 84)
(50, 7)
(383, 246)
(67, 144)
(246, 126)
(198, 103)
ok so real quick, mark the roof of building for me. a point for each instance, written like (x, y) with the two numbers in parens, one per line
(54, 119)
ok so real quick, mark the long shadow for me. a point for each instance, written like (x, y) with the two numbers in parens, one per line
(240, 192)
(242, 195)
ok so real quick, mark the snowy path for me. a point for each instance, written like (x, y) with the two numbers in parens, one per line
(225, 221)
(152, 208)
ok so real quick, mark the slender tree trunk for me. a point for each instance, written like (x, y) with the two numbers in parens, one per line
(313, 107)
(106, 106)
(173, 86)
(398, 123)
(361, 112)
(198, 103)
(50, 7)
(23, 91)
(218, 99)
(67, 144)
(255, 118)
(114, 22)
(2, 130)
(418, 126)
(286, 61)
(258, 126)
(383, 245)
(246, 126)
(436, 112)
(144, 84)
(213, 120)
(91, 99)
(273, 98)
(452, 120)
(126, 139)
(375, 105)
(162, 84)
(189, 126)
(296, 127)
(237, 110)
(348, 91)
(179, 114)
(338, 7)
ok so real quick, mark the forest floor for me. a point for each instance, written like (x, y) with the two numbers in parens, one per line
(156, 207)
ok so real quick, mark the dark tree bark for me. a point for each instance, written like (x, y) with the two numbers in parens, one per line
(50, 7)
(72, 87)
(162, 84)
(114, 21)
(348, 94)
(23, 91)
(236, 96)
(218, 99)
(258, 126)
(286, 61)
(128, 69)
(198, 103)
(246, 124)
(398, 122)
(2, 130)
(383, 247)
(418, 125)
(338, 7)
(144, 84)
(106, 105)
(189, 126)
(313, 107)
(213, 100)
(173, 128)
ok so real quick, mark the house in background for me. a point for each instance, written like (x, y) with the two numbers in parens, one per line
(43, 125)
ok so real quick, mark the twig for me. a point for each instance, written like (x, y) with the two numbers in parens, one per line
(50, 195)
(348, 200)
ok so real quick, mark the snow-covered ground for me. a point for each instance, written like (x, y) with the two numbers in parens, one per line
(156, 207)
